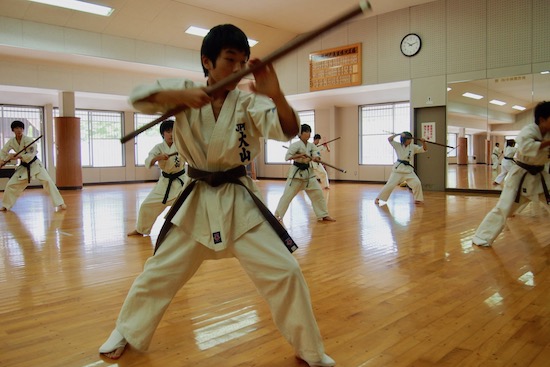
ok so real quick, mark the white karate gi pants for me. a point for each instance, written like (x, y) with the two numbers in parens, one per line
(152, 207)
(274, 271)
(494, 221)
(321, 173)
(312, 189)
(504, 168)
(14, 188)
(395, 179)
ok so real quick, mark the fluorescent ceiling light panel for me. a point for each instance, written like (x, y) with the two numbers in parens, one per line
(449, 89)
(545, 72)
(472, 95)
(519, 108)
(79, 5)
(497, 102)
(201, 32)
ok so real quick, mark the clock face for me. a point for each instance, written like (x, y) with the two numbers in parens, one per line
(410, 44)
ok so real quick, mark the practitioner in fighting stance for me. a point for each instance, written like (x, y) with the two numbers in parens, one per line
(318, 167)
(220, 214)
(495, 156)
(403, 169)
(301, 177)
(169, 185)
(527, 179)
(508, 161)
(30, 168)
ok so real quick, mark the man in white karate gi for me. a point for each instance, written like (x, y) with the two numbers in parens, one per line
(219, 213)
(526, 180)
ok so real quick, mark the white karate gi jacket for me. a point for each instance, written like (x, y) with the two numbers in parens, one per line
(26, 156)
(213, 215)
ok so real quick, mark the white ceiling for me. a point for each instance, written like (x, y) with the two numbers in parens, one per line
(272, 23)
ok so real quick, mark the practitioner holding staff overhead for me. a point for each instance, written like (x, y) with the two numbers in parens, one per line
(527, 179)
(220, 214)
(403, 169)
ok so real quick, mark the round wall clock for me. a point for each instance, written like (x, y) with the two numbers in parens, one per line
(411, 44)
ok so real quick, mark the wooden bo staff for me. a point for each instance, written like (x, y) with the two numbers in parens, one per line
(363, 7)
(22, 150)
(326, 142)
(427, 141)
(324, 163)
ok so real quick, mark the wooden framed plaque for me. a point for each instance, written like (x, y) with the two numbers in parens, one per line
(335, 68)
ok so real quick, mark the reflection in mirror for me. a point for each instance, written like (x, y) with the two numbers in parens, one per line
(482, 113)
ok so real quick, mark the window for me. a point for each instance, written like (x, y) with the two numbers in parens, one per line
(145, 141)
(377, 122)
(275, 151)
(32, 117)
(451, 141)
(100, 133)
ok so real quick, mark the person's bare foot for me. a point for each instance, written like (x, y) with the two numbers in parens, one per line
(114, 346)
(418, 202)
(377, 201)
(328, 218)
(62, 207)
(3, 209)
(134, 233)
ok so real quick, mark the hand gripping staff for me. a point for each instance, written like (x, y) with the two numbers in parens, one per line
(363, 7)
(22, 150)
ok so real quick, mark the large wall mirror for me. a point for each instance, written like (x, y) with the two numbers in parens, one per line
(482, 113)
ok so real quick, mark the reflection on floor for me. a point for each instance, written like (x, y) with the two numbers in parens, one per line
(472, 176)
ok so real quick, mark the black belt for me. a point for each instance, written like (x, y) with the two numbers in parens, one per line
(215, 179)
(406, 163)
(301, 167)
(171, 178)
(533, 170)
(510, 158)
(28, 166)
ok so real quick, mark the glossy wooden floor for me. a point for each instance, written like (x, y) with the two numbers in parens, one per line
(472, 176)
(397, 285)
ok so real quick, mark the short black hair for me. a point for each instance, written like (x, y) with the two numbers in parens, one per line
(305, 128)
(17, 123)
(316, 136)
(166, 125)
(221, 37)
(542, 110)
(407, 136)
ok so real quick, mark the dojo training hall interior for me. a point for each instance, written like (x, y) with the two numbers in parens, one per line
(392, 285)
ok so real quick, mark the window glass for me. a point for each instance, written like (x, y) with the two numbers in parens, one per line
(377, 122)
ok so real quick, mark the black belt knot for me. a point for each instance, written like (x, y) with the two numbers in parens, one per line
(533, 170)
(216, 179)
(406, 163)
(28, 166)
(171, 178)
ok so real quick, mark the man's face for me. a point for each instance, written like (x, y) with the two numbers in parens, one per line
(167, 136)
(228, 62)
(305, 135)
(544, 125)
(316, 141)
(408, 142)
(18, 131)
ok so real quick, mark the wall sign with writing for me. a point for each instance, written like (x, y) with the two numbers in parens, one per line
(335, 68)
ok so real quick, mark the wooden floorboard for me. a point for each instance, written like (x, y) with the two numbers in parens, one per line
(397, 285)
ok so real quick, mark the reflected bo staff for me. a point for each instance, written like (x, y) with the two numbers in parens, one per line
(427, 141)
(363, 7)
